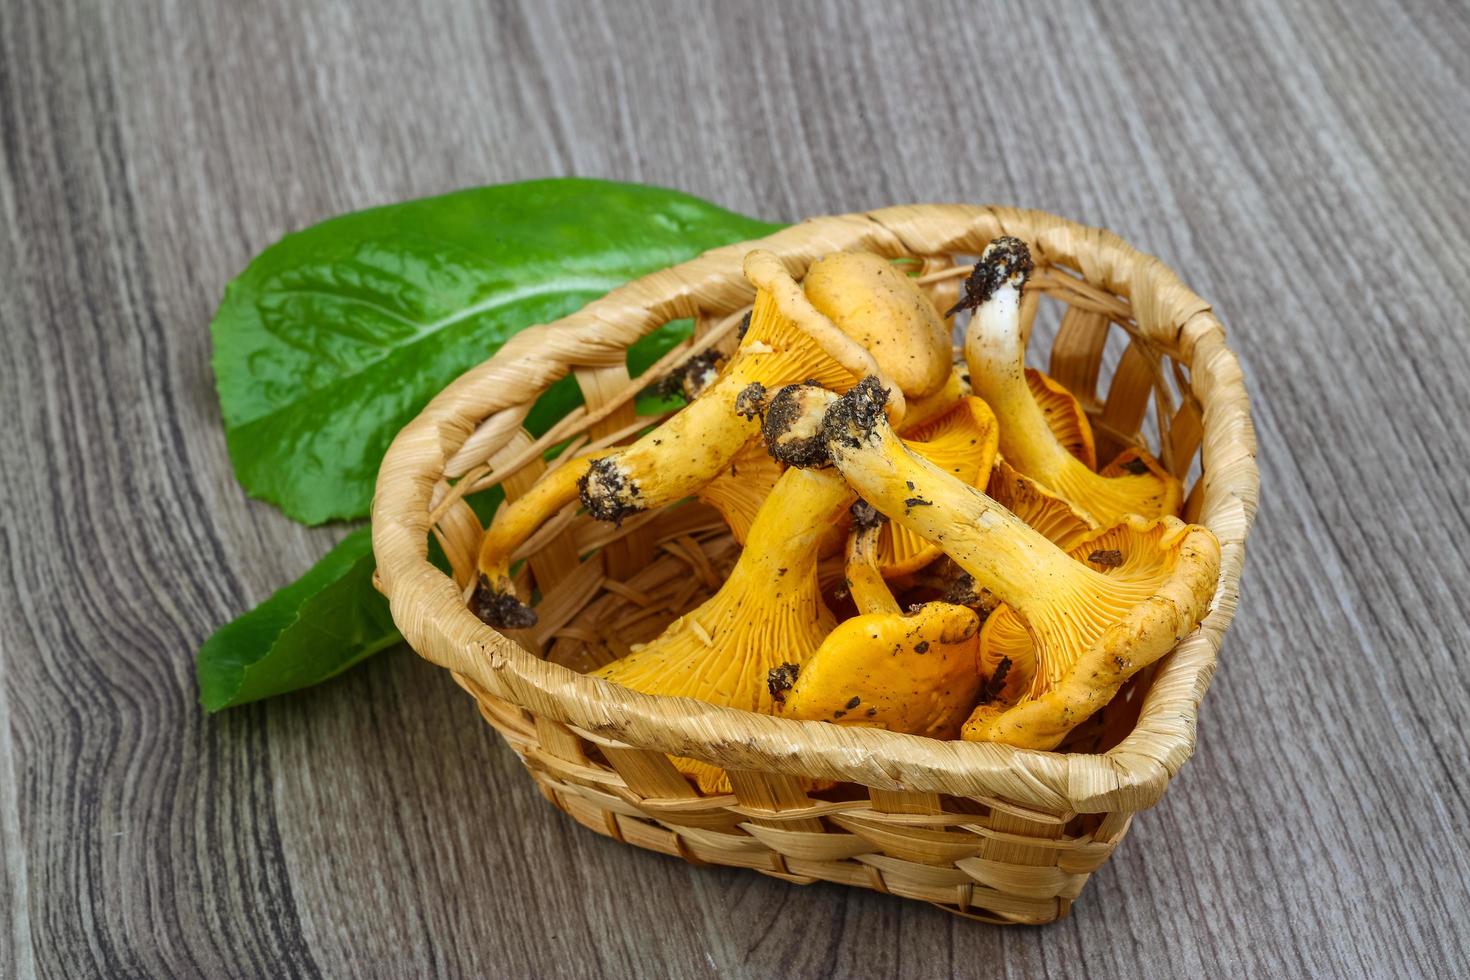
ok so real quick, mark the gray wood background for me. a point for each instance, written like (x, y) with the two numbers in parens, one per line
(1304, 165)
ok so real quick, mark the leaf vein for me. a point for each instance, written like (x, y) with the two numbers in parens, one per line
(565, 286)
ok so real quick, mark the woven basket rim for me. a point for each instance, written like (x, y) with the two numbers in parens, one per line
(428, 608)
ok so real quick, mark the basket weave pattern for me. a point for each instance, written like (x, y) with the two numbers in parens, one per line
(998, 833)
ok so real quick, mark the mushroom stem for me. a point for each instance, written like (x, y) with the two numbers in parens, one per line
(520, 518)
(1001, 551)
(678, 457)
(780, 555)
(997, 357)
(865, 582)
(996, 352)
(670, 462)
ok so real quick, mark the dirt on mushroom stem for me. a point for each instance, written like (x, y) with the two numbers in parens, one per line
(865, 515)
(690, 379)
(500, 610)
(792, 426)
(1002, 259)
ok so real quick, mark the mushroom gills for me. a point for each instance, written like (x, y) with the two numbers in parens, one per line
(1161, 572)
(769, 611)
(1043, 510)
(740, 489)
(1064, 416)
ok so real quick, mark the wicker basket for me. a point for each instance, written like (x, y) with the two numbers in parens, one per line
(1001, 834)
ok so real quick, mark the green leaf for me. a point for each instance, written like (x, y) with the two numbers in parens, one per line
(326, 621)
(318, 626)
(335, 337)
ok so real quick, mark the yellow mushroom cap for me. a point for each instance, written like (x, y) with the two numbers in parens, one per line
(887, 313)
(1076, 616)
(996, 354)
(915, 674)
(1161, 574)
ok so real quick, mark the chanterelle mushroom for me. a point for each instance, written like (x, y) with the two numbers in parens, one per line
(768, 612)
(1136, 557)
(864, 569)
(913, 673)
(787, 340)
(996, 353)
(1089, 630)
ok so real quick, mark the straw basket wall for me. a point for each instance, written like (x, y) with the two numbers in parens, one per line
(998, 833)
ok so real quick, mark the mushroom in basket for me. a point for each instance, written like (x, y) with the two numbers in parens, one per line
(962, 440)
(745, 645)
(769, 611)
(863, 295)
(1089, 630)
(788, 340)
(914, 673)
(996, 352)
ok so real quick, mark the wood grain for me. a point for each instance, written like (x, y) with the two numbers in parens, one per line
(1302, 164)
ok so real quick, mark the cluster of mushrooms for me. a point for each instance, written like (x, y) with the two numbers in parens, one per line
(1002, 587)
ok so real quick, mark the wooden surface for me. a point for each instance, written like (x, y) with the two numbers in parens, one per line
(1304, 167)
